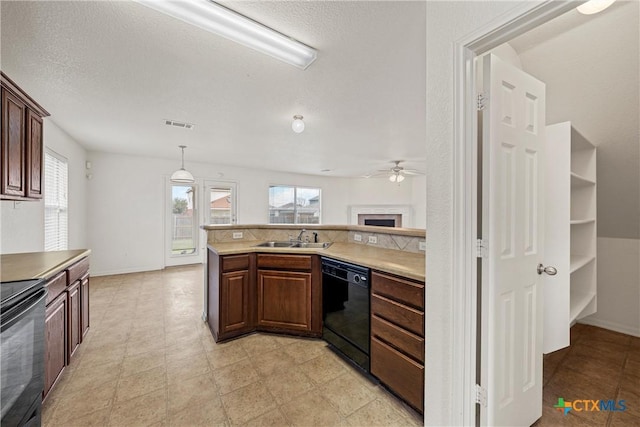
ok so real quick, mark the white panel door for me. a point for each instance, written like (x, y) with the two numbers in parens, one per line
(557, 289)
(513, 226)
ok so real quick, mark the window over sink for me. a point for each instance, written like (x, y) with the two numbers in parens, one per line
(294, 205)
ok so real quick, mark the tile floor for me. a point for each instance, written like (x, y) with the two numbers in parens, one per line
(149, 360)
(599, 364)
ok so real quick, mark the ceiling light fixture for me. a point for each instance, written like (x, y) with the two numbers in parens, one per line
(298, 124)
(594, 6)
(396, 177)
(226, 23)
(182, 175)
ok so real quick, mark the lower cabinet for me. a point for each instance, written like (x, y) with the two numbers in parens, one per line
(234, 294)
(66, 319)
(284, 300)
(397, 336)
(55, 356)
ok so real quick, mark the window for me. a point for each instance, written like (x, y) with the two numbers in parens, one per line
(56, 172)
(222, 204)
(184, 224)
(294, 205)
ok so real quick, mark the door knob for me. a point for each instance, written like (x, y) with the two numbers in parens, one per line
(551, 271)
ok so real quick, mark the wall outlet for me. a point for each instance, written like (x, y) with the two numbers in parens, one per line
(357, 237)
(237, 235)
(422, 246)
(373, 239)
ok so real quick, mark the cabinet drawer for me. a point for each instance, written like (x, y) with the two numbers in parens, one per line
(397, 337)
(56, 286)
(77, 270)
(398, 372)
(398, 314)
(235, 262)
(404, 291)
(287, 262)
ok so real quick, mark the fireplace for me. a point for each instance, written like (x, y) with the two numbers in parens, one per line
(380, 220)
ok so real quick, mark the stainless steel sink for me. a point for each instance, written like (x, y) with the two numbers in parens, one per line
(323, 245)
(276, 245)
(294, 245)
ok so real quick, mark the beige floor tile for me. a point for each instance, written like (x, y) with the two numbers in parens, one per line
(199, 389)
(256, 344)
(347, 393)
(88, 377)
(144, 410)
(197, 413)
(94, 357)
(288, 384)
(248, 403)
(323, 368)
(273, 418)
(272, 362)
(140, 383)
(185, 351)
(225, 354)
(143, 361)
(311, 409)
(376, 413)
(75, 405)
(305, 350)
(180, 370)
(235, 376)
(94, 419)
(145, 345)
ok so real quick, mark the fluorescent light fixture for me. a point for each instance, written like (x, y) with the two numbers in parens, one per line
(594, 6)
(224, 22)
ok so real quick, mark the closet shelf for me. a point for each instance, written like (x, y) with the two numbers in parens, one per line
(578, 303)
(579, 261)
(580, 181)
(583, 221)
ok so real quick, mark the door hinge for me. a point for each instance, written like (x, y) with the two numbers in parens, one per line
(481, 395)
(482, 246)
(481, 101)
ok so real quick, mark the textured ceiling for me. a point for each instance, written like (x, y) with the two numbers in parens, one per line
(110, 72)
(591, 67)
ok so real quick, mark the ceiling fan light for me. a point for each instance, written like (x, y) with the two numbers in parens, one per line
(392, 178)
(400, 178)
(594, 6)
(298, 124)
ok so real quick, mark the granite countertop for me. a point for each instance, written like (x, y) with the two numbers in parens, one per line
(405, 264)
(34, 265)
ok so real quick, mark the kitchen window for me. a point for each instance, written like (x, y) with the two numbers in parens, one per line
(294, 205)
(56, 207)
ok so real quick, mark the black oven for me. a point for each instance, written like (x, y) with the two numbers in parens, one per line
(22, 317)
(345, 309)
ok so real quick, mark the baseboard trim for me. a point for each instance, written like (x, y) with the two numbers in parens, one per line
(612, 326)
(125, 270)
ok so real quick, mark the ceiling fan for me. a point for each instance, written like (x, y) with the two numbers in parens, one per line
(396, 173)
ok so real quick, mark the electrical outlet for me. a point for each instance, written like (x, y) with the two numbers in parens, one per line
(357, 237)
(373, 239)
(237, 235)
(422, 246)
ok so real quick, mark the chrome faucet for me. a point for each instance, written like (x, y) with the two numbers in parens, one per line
(299, 239)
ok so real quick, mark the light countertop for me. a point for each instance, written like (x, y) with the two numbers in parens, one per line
(34, 265)
(405, 264)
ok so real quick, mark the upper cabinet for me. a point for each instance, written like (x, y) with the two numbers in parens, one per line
(21, 144)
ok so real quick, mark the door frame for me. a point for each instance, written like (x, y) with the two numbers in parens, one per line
(465, 337)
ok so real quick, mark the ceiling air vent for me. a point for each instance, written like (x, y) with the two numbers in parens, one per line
(182, 125)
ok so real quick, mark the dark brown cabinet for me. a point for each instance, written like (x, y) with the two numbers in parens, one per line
(55, 340)
(67, 318)
(284, 300)
(397, 336)
(231, 305)
(21, 143)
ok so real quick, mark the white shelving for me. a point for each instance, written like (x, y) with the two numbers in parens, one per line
(579, 303)
(579, 261)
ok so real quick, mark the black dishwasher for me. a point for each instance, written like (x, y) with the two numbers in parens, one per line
(345, 309)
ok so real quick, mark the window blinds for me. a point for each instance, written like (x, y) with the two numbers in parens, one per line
(55, 202)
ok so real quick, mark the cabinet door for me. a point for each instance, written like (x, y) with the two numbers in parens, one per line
(284, 300)
(55, 352)
(13, 146)
(84, 307)
(235, 313)
(34, 155)
(74, 319)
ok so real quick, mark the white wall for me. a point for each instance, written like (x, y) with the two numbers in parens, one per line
(618, 286)
(22, 227)
(447, 22)
(126, 204)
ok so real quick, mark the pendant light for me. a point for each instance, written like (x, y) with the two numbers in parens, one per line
(182, 175)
